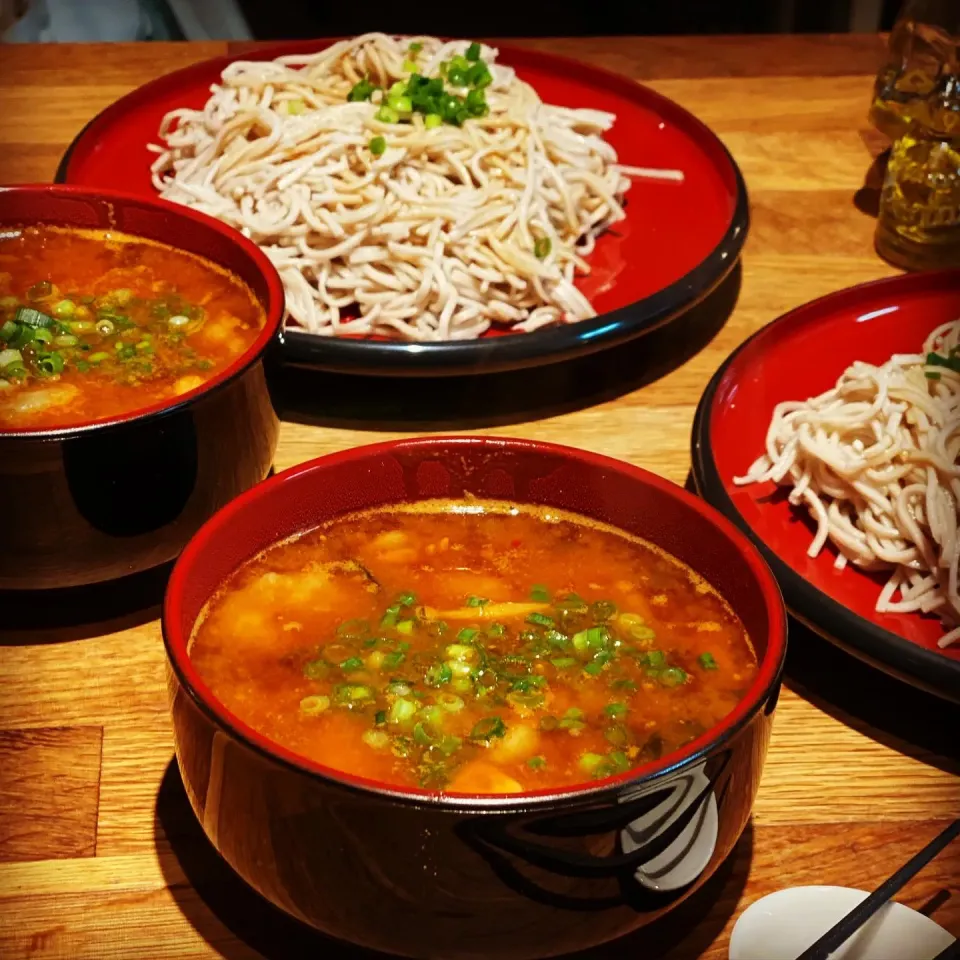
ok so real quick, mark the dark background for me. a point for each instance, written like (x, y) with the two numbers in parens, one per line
(285, 19)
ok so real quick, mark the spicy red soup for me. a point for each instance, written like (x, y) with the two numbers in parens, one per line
(473, 647)
(96, 324)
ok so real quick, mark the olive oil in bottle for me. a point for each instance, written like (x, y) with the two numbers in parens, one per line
(917, 104)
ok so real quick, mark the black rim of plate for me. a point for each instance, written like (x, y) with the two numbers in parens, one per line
(817, 610)
(519, 351)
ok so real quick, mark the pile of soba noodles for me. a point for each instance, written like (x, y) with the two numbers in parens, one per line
(434, 232)
(875, 461)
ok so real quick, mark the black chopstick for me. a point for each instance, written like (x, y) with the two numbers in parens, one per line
(856, 918)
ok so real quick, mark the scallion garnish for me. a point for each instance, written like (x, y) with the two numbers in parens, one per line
(487, 729)
(377, 146)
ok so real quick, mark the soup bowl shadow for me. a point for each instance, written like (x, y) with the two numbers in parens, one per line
(420, 874)
(215, 898)
(499, 399)
(76, 613)
(860, 695)
(99, 501)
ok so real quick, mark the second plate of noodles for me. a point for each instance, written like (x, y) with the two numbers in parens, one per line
(438, 205)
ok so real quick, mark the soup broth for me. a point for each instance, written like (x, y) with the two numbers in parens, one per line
(97, 324)
(472, 647)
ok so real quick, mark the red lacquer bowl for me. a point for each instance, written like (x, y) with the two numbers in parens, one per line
(798, 356)
(677, 244)
(119, 496)
(422, 874)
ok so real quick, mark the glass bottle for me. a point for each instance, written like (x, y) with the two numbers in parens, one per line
(917, 105)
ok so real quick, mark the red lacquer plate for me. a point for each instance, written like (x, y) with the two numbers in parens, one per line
(678, 242)
(799, 356)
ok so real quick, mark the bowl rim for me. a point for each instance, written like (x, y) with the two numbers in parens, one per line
(757, 696)
(273, 308)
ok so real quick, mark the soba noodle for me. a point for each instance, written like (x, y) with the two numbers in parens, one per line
(875, 461)
(436, 238)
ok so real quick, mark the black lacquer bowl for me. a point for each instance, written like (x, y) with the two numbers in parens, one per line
(100, 501)
(425, 875)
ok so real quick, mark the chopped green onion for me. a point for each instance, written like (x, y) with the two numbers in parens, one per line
(590, 761)
(349, 693)
(351, 664)
(401, 105)
(615, 709)
(377, 146)
(467, 634)
(405, 627)
(64, 310)
(654, 659)
(539, 593)
(449, 744)
(479, 76)
(386, 114)
(536, 763)
(619, 760)
(450, 702)
(593, 638)
(473, 52)
(394, 659)
(32, 318)
(409, 66)
(540, 620)
(98, 356)
(312, 706)
(488, 728)
(377, 739)
(316, 669)
(380, 718)
(421, 736)
(407, 599)
(672, 677)
(296, 107)
(414, 48)
(459, 651)
(8, 330)
(541, 247)
(561, 663)
(106, 327)
(401, 710)
(42, 335)
(10, 358)
(432, 120)
(66, 340)
(951, 362)
(49, 363)
(438, 675)
(707, 661)
(476, 601)
(362, 90)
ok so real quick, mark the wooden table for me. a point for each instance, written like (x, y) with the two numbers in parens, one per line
(100, 856)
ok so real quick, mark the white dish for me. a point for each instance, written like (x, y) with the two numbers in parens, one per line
(782, 925)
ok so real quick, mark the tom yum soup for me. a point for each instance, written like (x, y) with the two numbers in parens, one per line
(98, 324)
(472, 647)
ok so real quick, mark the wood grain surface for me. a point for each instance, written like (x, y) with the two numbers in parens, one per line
(100, 856)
